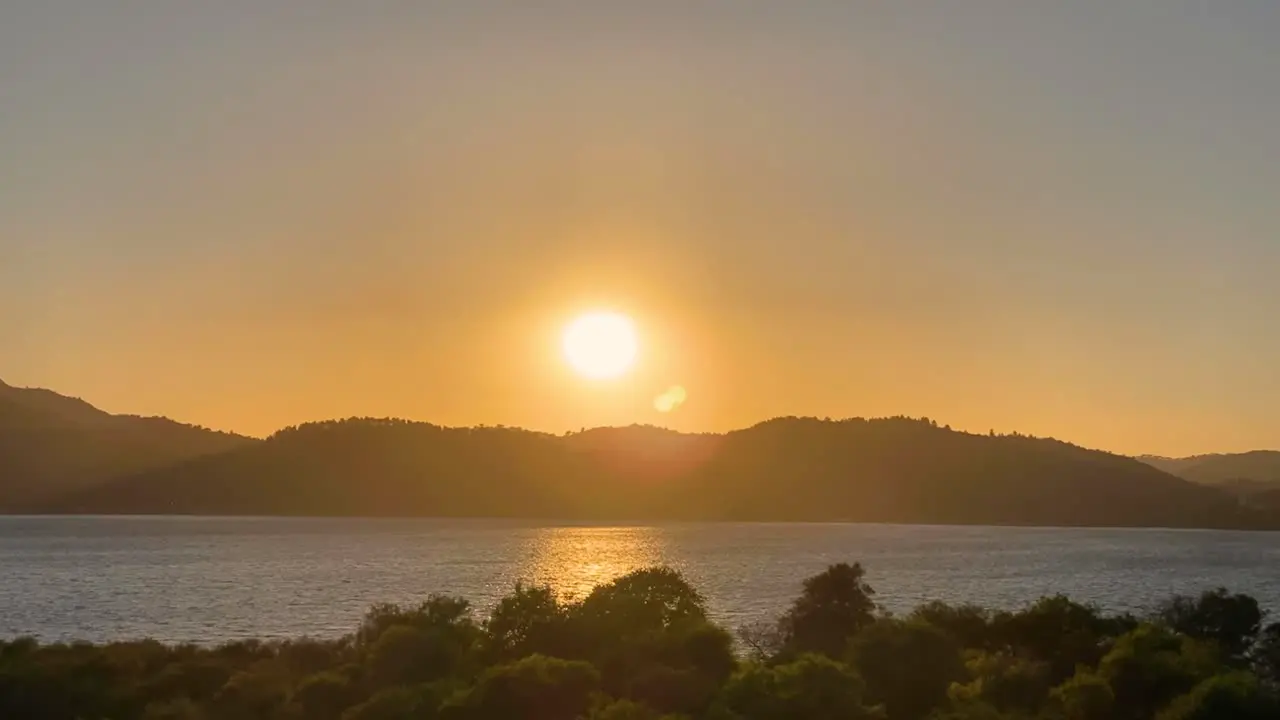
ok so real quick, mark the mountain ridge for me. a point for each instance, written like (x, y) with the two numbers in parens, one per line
(1252, 477)
(51, 444)
(899, 470)
(62, 455)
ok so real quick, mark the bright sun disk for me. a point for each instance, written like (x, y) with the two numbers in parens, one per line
(601, 345)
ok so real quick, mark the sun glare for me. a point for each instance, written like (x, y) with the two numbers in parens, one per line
(601, 345)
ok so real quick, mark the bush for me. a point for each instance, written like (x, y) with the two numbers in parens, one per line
(642, 648)
(536, 688)
(813, 687)
(1232, 621)
(1237, 696)
(832, 608)
(907, 666)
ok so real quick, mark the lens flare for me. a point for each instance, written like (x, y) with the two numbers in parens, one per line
(670, 400)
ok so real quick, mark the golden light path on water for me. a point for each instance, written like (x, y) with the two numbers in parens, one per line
(573, 560)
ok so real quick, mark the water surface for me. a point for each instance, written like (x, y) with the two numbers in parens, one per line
(213, 579)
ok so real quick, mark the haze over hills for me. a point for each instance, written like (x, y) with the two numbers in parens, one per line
(1253, 477)
(1259, 466)
(51, 444)
(60, 454)
(792, 469)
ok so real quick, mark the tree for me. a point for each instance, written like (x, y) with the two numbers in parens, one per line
(439, 611)
(969, 625)
(530, 621)
(907, 666)
(833, 607)
(405, 655)
(1151, 666)
(1063, 633)
(255, 693)
(324, 696)
(416, 645)
(761, 641)
(623, 710)
(535, 688)
(648, 635)
(681, 670)
(174, 710)
(1237, 696)
(397, 703)
(1084, 697)
(642, 649)
(811, 688)
(1005, 682)
(1266, 654)
(648, 600)
(1232, 621)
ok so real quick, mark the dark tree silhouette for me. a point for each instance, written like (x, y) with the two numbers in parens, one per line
(834, 606)
(641, 648)
(907, 666)
(1232, 621)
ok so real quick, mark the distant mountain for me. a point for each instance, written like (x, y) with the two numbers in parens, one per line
(51, 445)
(890, 470)
(1243, 472)
(1173, 466)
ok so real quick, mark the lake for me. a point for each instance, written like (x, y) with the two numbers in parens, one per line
(213, 579)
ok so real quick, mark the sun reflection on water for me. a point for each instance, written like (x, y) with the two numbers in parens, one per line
(573, 560)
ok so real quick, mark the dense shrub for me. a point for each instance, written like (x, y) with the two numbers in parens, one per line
(643, 648)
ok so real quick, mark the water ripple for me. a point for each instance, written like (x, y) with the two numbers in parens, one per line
(214, 579)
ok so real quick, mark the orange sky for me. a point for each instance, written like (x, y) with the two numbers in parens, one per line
(247, 217)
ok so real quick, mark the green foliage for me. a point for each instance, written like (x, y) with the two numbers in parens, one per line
(968, 625)
(645, 601)
(437, 612)
(1237, 696)
(813, 687)
(681, 671)
(1151, 666)
(1084, 697)
(623, 710)
(833, 607)
(529, 621)
(406, 655)
(323, 696)
(535, 688)
(395, 703)
(419, 645)
(1232, 621)
(1266, 654)
(907, 666)
(178, 710)
(648, 634)
(1004, 682)
(642, 648)
(1063, 633)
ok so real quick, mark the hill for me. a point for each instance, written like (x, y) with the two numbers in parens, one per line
(1252, 477)
(1259, 468)
(51, 445)
(889, 470)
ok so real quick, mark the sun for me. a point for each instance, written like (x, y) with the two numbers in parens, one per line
(601, 345)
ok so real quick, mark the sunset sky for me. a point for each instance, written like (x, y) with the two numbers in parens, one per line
(1061, 219)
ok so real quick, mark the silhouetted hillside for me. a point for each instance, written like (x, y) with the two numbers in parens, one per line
(892, 470)
(51, 445)
(1243, 474)
(1173, 466)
